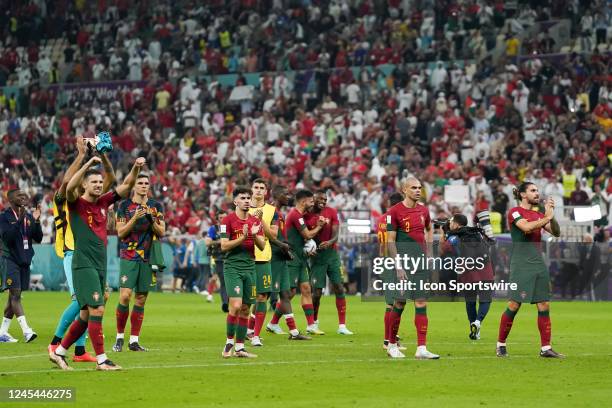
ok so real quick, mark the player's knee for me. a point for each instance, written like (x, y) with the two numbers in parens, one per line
(140, 299)
(97, 311)
(514, 306)
(543, 306)
(399, 304)
(338, 289)
(305, 289)
(420, 303)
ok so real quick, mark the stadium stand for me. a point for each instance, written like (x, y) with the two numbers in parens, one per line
(346, 95)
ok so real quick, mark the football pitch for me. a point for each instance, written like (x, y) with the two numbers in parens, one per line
(184, 367)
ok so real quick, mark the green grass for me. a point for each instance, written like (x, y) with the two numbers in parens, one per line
(185, 368)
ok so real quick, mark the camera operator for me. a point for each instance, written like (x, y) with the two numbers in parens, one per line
(459, 240)
(213, 246)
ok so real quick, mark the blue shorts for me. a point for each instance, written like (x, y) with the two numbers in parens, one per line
(68, 271)
(14, 276)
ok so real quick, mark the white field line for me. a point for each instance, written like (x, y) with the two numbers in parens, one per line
(275, 363)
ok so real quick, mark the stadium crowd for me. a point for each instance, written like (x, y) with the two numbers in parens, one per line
(356, 132)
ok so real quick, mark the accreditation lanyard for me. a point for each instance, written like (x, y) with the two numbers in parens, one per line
(24, 231)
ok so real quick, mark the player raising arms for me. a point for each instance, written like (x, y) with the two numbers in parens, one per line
(527, 267)
(280, 274)
(88, 218)
(240, 233)
(326, 262)
(388, 275)
(64, 248)
(140, 220)
(407, 224)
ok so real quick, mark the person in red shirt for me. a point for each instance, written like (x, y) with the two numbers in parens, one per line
(408, 230)
(240, 233)
(527, 267)
(326, 262)
(381, 233)
(88, 220)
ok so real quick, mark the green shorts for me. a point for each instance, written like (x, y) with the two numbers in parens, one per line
(280, 276)
(533, 282)
(298, 272)
(324, 264)
(263, 280)
(240, 282)
(89, 285)
(135, 275)
(389, 276)
(391, 295)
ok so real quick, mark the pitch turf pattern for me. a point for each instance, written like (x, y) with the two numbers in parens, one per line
(184, 365)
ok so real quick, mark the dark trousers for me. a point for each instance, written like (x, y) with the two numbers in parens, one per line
(222, 291)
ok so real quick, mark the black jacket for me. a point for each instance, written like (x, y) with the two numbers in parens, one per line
(12, 235)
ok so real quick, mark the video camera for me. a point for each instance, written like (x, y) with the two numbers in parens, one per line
(443, 224)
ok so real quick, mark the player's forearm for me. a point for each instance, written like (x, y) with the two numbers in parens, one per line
(73, 184)
(159, 228)
(124, 229)
(531, 226)
(109, 174)
(128, 183)
(311, 233)
(335, 234)
(74, 167)
(555, 228)
(260, 242)
(227, 245)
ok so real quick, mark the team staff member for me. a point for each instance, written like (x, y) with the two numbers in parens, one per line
(18, 229)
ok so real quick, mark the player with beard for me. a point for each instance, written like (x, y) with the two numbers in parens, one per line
(388, 275)
(527, 267)
(326, 262)
(408, 230)
(64, 248)
(88, 219)
(280, 274)
(297, 233)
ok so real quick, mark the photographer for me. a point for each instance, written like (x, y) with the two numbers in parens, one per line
(459, 240)
(213, 246)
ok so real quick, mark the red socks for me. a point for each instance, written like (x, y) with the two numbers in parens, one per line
(95, 334)
(75, 331)
(136, 320)
(309, 312)
(544, 327)
(277, 314)
(505, 325)
(122, 314)
(421, 322)
(395, 317)
(341, 308)
(387, 323)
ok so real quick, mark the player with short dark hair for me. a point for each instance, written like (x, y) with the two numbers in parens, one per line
(408, 230)
(527, 267)
(64, 248)
(326, 262)
(280, 274)
(264, 282)
(388, 275)
(297, 233)
(240, 234)
(140, 221)
(88, 219)
(18, 229)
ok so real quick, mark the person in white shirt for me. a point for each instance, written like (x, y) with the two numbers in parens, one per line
(273, 130)
(439, 75)
(353, 93)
